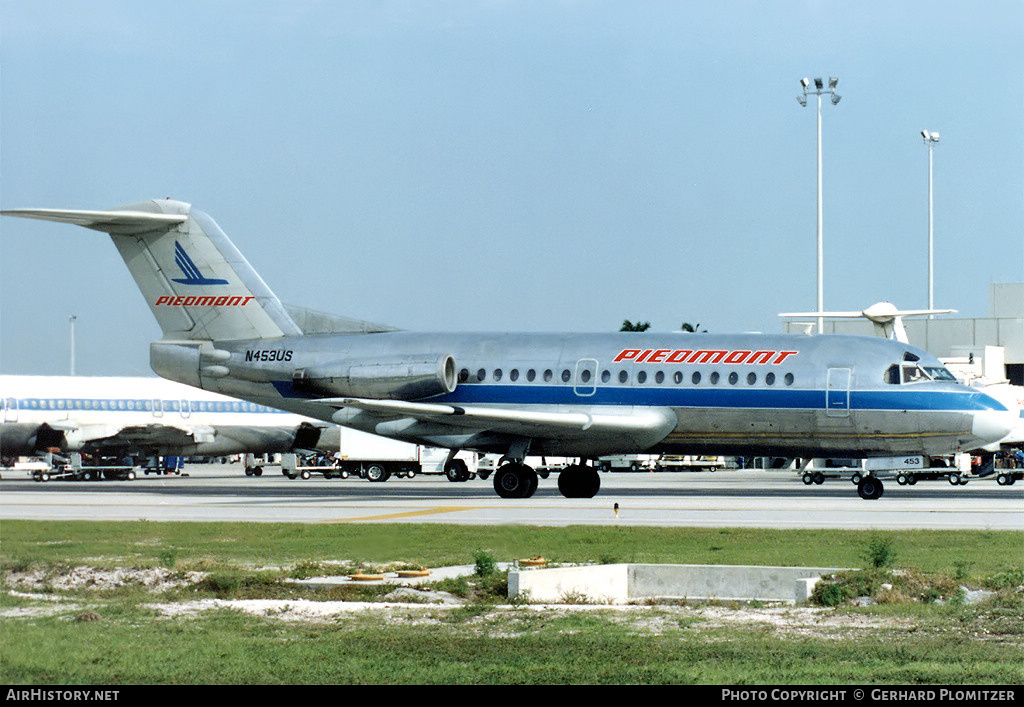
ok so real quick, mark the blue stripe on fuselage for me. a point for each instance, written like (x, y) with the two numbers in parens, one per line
(954, 399)
(761, 398)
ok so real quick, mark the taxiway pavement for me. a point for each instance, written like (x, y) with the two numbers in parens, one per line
(775, 499)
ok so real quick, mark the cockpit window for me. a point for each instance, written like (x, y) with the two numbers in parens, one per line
(939, 373)
(907, 356)
(912, 373)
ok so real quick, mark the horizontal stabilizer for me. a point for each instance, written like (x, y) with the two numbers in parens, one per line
(878, 312)
(120, 222)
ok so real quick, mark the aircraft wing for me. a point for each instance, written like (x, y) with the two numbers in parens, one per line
(646, 425)
(134, 436)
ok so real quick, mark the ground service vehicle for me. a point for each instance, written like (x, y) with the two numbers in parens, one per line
(378, 458)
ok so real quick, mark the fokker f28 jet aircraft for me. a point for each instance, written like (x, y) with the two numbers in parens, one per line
(576, 395)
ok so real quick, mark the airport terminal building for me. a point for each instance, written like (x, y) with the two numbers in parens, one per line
(964, 340)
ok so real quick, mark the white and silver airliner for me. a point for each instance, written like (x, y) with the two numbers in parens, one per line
(578, 395)
(135, 416)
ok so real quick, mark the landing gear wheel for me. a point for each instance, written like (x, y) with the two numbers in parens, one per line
(808, 478)
(515, 480)
(819, 478)
(870, 488)
(578, 481)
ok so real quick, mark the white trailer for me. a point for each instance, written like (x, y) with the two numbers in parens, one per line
(907, 470)
(378, 458)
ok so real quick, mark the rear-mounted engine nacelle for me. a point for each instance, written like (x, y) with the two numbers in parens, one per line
(404, 378)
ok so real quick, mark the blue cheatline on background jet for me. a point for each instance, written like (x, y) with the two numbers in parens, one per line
(577, 395)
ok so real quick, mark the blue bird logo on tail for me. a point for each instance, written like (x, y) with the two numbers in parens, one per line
(191, 270)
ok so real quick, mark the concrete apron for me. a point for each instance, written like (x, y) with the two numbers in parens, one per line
(625, 583)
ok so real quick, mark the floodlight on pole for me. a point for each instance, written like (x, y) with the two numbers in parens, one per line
(819, 90)
(930, 140)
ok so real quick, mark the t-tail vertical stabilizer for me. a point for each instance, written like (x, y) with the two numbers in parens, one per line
(197, 284)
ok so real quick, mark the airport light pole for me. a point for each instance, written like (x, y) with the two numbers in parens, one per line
(819, 90)
(930, 140)
(71, 321)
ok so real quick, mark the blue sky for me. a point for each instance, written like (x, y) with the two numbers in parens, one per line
(509, 166)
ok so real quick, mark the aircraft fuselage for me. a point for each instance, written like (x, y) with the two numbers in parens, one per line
(747, 394)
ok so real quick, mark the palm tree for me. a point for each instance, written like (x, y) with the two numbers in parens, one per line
(693, 328)
(631, 326)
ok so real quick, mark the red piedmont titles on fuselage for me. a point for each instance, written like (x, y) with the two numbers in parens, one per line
(671, 356)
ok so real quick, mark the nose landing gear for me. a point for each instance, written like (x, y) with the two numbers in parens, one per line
(869, 488)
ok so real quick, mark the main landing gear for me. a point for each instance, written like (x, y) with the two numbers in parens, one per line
(514, 479)
(579, 481)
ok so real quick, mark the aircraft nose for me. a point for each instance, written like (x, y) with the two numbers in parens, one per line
(991, 425)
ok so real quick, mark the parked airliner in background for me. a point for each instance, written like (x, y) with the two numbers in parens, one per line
(578, 395)
(148, 417)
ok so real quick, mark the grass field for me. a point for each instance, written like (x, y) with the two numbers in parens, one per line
(204, 631)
